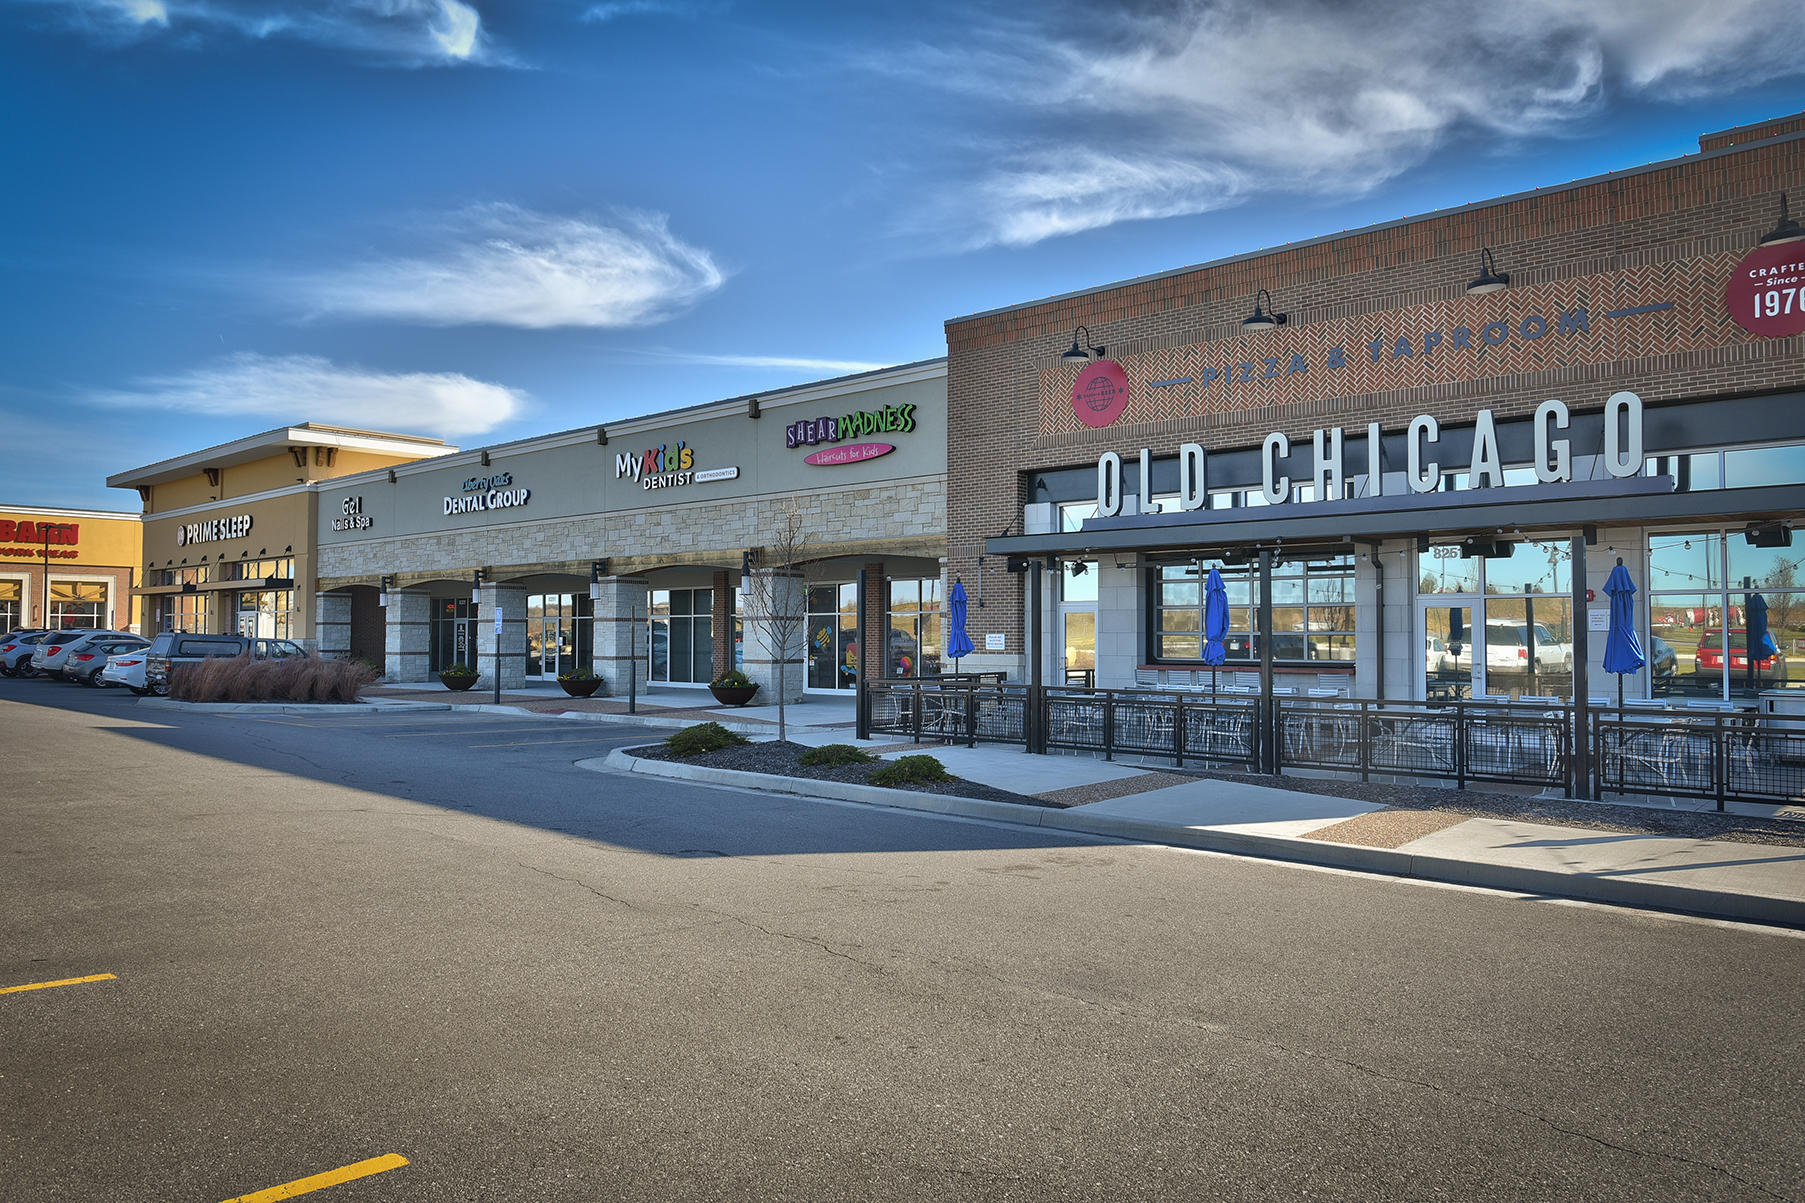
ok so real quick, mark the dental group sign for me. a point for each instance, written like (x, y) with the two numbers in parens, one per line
(482, 493)
(1766, 293)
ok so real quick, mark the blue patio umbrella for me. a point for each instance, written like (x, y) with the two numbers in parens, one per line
(958, 643)
(1622, 647)
(1760, 640)
(1215, 625)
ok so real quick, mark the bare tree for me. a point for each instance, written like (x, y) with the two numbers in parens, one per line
(774, 602)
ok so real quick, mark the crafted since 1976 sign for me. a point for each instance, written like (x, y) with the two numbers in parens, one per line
(1766, 292)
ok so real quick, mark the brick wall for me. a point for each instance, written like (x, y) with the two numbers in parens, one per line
(1665, 220)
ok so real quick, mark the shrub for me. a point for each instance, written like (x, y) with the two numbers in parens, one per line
(703, 737)
(911, 770)
(733, 678)
(243, 679)
(835, 755)
(579, 674)
(458, 670)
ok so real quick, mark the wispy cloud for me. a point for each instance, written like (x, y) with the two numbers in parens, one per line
(507, 266)
(411, 33)
(614, 10)
(759, 361)
(296, 388)
(1183, 108)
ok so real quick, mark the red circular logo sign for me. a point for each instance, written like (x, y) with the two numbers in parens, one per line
(1766, 293)
(1100, 394)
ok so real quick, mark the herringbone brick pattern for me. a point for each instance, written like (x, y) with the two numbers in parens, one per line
(1464, 339)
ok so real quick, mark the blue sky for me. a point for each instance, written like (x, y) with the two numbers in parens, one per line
(482, 220)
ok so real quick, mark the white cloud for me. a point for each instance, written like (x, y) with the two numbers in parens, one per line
(763, 361)
(1195, 105)
(614, 10)
(297, 388)
(503, 265)
(402, 32)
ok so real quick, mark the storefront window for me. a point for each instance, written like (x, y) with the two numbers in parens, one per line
(255, 570)
(1312, 610)
(914, 640)
(1529, 645)
(1742, 634)
(680, 647)
(198, 574)
(1442, 570)
(11, 605)
(454, 622)
(1753, 467)
(78, 604)
(833, 648)
(266, 614)
(560, 633)
(186, 612)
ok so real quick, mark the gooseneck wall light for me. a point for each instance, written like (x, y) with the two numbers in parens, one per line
(1084, 352)
(1787, 231)
(1262, 321)
(1490, 278)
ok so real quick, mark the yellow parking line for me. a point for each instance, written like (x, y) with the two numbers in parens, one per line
(68, 981)
(303, 1186)
(527, 743)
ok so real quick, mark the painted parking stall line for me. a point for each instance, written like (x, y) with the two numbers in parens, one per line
(304, 1186)
(68, 981)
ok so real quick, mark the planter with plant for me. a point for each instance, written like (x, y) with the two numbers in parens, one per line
(733, 688)
(580, 682)
(458, 676)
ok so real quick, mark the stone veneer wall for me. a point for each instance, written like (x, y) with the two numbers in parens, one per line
(640, 540)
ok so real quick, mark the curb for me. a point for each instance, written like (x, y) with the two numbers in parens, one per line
(649, 721)
(370, 707)
(1645, 895)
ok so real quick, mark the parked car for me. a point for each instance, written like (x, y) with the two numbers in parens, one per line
(50, 655)
(1507, 649)
(14, 641)
(1663, 661)
(15, 656)
(124, 668)
(1709, 669)
(171, 648)
(85, 661)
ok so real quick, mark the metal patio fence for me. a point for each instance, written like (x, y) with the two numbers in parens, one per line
(1724, 757)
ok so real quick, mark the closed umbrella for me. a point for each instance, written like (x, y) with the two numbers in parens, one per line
(1760, 640)
(1215, 625)
(1622, 647)
(958, 643)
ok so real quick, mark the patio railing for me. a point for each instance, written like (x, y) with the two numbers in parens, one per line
(1738, 757)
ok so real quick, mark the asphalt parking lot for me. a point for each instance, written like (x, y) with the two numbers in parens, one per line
(434, 953)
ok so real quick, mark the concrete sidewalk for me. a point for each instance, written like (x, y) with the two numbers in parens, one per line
(1720, 878)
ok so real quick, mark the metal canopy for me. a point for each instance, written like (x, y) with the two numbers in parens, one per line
(1635, 500)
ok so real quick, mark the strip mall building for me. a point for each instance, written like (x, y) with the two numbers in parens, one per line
(633, 543)
(1424, 461)
(68, 568)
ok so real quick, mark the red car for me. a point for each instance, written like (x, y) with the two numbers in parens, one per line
(1768, 669)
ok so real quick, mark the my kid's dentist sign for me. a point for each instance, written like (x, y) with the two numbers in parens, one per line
(666, 466)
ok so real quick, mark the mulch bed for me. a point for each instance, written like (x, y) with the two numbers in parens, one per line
(784, 759)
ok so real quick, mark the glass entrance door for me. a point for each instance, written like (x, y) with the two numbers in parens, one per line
(1451, 670)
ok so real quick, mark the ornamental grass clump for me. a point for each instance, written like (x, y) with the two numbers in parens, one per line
(911, 770)
(702, 738)
(242, 679)
(834, 756)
